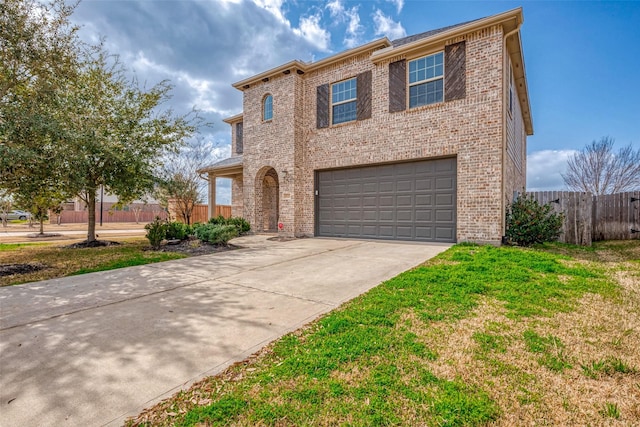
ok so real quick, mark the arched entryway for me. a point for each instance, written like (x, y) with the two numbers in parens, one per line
(267, 199)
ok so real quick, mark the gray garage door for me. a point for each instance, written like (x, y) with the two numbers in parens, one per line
(402, 201)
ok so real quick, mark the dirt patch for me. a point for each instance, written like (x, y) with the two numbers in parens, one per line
(43, 235)
(10, 269)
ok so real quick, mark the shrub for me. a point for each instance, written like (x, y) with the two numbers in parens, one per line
(156, 232)
(216, 234)
(178, 230)
(529, 222)
(240, 223)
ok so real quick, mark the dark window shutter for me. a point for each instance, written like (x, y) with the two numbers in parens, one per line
(363, 102)
(455, 67)
(322, 106)
(239, 146)
(397, 86)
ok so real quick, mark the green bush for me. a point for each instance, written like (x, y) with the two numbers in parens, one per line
(529, 222)
(216, 234)
(178, 230)
(240, 223)
(156, 232)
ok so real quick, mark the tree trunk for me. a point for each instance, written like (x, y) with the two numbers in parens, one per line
(41, 225)
(91, 207)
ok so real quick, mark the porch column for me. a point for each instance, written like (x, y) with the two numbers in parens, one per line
(212, 195)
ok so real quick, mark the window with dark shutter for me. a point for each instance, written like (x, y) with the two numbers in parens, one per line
(363, 107)
(239, 138)
(397, 86)
(322, 106)
(455, 65)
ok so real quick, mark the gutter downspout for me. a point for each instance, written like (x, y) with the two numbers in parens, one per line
(506, 60)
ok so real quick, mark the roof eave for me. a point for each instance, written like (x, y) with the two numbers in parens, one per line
(514, 50)
(233, 119)
(302, 67)
(289, 66)
(418, 45)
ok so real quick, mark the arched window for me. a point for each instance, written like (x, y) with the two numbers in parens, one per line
(267, 108)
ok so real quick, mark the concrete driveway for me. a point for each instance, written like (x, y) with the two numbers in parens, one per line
(95, 349)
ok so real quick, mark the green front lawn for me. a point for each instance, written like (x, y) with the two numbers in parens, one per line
(60, 261)
(477, 335)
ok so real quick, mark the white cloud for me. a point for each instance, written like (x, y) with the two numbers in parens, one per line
(274, 7)
(399, 4)
(386, 26)
(544, 169)
(353, 31)
(336, 8)
(311, 30)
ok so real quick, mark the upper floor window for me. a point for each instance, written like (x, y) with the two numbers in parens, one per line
(343, 101)
(267, 108)
(426, 80)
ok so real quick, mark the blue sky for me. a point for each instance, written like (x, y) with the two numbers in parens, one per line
(582, 58)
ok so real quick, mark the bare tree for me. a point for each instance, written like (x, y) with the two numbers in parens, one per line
(181, 185)
(598, 170)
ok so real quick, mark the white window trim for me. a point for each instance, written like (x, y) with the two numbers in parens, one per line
(264, 104)
(432, 79)
(332, 104)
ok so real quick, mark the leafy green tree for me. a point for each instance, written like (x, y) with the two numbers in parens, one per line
(116, 134)
(70, 119)
(38, 57)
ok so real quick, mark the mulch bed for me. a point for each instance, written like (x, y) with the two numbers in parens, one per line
(195, 248)
(9, 269)
(94, 244)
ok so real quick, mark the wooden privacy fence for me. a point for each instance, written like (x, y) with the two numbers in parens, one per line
(201, 213)
(68, 217)
(590, 218)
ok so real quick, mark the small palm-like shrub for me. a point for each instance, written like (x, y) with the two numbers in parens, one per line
(156, 232)
(529, 222)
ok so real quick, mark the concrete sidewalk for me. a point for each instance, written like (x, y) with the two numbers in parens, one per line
(94, 349)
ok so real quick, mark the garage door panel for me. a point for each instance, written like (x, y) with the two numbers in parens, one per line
(405, 233)
(444, 183)
(369, 215)
(445, 234)
(370, 188)
(386, 186)
(424, 200)
(444, 199)
(370, 201)
(423, 184)
(444, 215)
(424, 215)
(406, 201)
(386, 215)
(404, 215)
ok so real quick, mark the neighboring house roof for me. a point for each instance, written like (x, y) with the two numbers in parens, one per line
(226, 166)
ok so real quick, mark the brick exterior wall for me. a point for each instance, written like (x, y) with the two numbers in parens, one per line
(470, 129)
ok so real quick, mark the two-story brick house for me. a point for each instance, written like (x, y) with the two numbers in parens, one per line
(421, 138)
